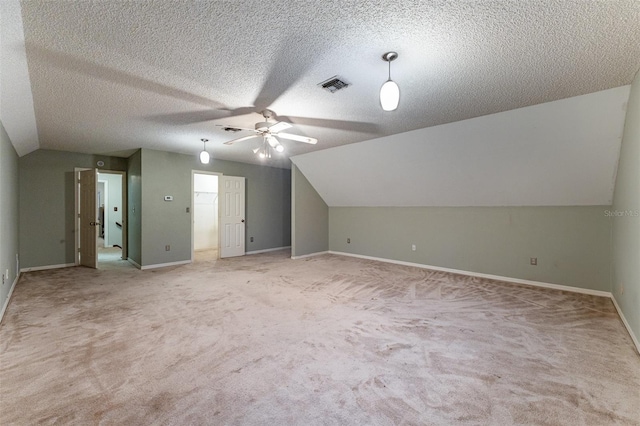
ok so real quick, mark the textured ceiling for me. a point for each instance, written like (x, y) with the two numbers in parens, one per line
(110, 77)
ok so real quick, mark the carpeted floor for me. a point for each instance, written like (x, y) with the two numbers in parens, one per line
(330, 340)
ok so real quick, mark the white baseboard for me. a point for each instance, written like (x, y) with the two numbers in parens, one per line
(134, 263)
(310, 255)
(480, 275)
(626, 324)
(268, 250)
(164, 265)
(44, 268)
(6, 302)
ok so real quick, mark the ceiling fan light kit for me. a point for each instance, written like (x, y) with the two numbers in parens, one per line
(269, 130)
(204, 155)
(389, 92)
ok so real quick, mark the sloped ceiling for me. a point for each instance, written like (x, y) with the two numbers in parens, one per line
(109, 77)
(560, 153)
(16, 101)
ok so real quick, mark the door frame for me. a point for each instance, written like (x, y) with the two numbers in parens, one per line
(76, 212)
(193, 240)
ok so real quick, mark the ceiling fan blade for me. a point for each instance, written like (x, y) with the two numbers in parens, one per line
(357, 126)
(244, 138)
(272, 141)
(298, 138)
(279, 126)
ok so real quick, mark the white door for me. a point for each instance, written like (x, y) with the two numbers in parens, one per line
(231, 204)
(88, 218)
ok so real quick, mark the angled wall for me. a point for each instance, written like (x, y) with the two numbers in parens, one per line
(561, 153)
(8, 216)
(625, 215)
(310, 217)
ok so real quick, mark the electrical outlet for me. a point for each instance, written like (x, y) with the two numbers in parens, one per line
(348, 240)
(534, 261)
(251, 239)
(167, 248)
(413, 247)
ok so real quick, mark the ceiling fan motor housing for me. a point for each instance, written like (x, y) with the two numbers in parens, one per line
(263, 126)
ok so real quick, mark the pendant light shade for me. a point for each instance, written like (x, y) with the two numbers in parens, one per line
(389, 92)
(204, 155)
(389, 95)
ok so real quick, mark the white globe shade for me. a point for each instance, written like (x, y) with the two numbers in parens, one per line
(204, 157)
(389, 95)
(279, 148)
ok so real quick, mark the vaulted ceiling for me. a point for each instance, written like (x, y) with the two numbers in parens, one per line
(110, 77)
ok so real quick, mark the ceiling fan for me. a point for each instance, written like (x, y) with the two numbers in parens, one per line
(268, 130)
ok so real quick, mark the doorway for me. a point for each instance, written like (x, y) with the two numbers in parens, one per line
(101, 227)
(110, 207)
(205, 225)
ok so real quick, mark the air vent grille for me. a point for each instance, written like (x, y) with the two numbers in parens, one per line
(333, 84)
(231, 129)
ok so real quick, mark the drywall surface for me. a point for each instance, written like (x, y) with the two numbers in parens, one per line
(134, 207)
(625, 216)
(16, 107)
(167, 223)
(570, 243)
(310, 218)
(8, 213)
(560, 153)
(47, 196)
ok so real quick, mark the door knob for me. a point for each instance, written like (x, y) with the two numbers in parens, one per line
(242, 221)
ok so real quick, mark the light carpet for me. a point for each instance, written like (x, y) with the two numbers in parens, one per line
(326, 340)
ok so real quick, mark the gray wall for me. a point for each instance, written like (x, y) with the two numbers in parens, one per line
(8, 212)
(626, 228)
(47, 194)
(571, 243)
(134, 206)
(310, 220)
(268, 204)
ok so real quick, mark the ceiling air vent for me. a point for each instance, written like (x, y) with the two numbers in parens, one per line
(231, 129)
(333, 84)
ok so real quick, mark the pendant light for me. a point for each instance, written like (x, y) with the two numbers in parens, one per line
(204, 155)
(389, 92)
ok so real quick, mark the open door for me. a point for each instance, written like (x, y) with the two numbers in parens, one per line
(88, 218)
(231, 203)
